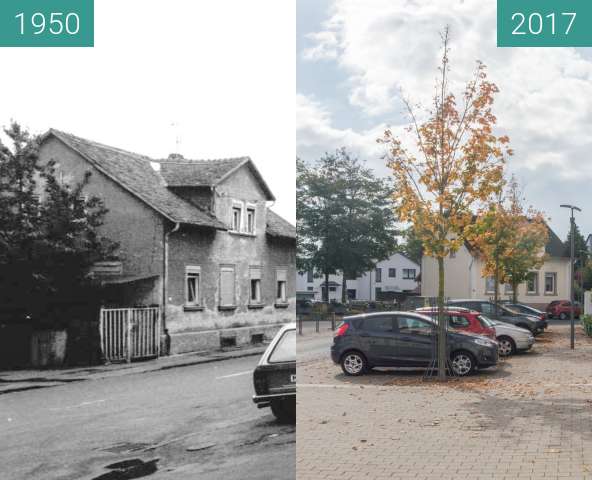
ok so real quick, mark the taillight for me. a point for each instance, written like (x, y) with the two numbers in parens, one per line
(543, 316)
(342, 329)
(260, 381)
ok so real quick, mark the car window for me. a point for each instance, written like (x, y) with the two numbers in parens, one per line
(285, 349)
(379, 324)
(457, 321)
(487, 308)
(485, 322)
(413, 325)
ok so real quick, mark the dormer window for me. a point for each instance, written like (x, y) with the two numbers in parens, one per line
(236, 218)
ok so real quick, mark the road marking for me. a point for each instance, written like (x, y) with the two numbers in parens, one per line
(83, 404)
(234, 375)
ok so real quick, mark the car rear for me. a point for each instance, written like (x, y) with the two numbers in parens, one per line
(343, 337)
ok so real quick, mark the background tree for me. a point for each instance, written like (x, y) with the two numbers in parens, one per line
(412, 246)
(510, 239)
(456, 163)
(48, 238)
(345, 217)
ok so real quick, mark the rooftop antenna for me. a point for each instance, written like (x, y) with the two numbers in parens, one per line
(175, 125)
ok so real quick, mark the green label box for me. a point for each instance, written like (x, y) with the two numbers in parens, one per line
(47, 23)
(544, 23)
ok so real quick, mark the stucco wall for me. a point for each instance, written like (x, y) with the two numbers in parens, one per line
(457, 279)
(130, 222)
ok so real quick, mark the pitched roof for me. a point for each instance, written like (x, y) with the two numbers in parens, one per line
(278, 227)
(555, 247)
(135, 173)
(180, 172)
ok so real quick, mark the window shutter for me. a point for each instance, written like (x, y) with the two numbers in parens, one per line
(227, 290)
(281, 275)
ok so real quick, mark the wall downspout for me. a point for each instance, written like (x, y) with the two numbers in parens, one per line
(165, 272)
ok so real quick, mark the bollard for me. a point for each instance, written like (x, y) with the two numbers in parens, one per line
(333, 322)
(317, 324)
(300, 324)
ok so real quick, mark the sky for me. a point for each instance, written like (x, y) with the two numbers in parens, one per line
(355, 59)
(220, 76)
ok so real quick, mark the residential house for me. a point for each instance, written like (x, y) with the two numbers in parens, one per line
(396, 274)
(463, 277)
(197, 239)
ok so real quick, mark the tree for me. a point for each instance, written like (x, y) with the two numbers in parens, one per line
(510, 239)
(346, 221)
(48, 237)
(456, 163)
(412, 247)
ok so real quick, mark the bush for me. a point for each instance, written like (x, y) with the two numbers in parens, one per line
(587, 323)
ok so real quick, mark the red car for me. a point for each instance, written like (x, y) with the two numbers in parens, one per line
(561, 309)
(463, 319)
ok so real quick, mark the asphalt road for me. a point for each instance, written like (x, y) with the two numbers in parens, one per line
(313, 347)
(198, 421)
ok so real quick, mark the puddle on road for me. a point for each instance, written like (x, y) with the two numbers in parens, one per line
(129, 469)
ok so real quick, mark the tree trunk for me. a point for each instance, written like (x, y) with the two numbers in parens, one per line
(326, 291)
(344, 288)
(442, 356)
(496, 285)
(514, 293)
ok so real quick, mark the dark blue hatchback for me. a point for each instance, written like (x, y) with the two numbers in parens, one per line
(405, 339)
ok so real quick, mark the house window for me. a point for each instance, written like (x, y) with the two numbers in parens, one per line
(281, 295)
(227, 286)
(255, 285)
(409, 273)
(378, 275)
(250, 220)
(377, 293)
(392, 272)
(192, 286)
(236, 218)
(310, 289)
(351, 294)
(508, 288)
(309, 276)
(532, 283)
(332, 289)
(550, 284)
(489, 285)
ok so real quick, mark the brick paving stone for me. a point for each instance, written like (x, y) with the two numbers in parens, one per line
(530, 418)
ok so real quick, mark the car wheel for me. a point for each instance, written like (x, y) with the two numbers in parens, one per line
(284, 410)
(462, 363)
(562, 315)
(506, 346)
(354, 363)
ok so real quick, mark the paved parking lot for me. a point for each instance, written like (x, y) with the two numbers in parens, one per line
(529, 418)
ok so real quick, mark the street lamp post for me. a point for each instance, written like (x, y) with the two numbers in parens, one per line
(571, 274)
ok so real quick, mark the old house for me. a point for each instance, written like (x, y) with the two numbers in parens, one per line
(197, 239)
(464, 279)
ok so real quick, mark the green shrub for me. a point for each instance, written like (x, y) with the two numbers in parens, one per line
(587, 323)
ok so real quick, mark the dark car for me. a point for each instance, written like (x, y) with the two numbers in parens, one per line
(502, 314)
(405, 339)
(562, 308)
(275, 376)
(528, 310)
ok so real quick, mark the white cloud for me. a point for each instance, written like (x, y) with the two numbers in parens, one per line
(545, 99)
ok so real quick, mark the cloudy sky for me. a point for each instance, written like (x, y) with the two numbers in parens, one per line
(354, 58)
(222, 71)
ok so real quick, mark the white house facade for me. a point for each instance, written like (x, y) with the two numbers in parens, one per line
(396, 274)
(463, 277)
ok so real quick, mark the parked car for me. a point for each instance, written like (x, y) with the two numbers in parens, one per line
(528, 310)
(405, 339)
(510, 338)
(462, 319)
(501, 314)
(274, 377)
(561, 309)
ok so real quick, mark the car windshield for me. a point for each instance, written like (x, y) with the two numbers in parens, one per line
(511, 311)
(486, 322)
(285, 349)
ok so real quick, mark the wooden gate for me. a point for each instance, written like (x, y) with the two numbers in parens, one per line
(130, 333)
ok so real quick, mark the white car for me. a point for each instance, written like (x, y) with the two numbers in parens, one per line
(511, 339)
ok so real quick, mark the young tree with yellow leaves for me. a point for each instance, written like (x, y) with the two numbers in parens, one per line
(456, 164)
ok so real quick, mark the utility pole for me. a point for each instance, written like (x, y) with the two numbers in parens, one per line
(571, 274)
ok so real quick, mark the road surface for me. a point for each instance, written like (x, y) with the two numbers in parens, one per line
(197, 422)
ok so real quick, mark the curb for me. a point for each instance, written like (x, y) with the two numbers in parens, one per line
(128, 370)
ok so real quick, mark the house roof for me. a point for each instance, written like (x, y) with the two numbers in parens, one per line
(279, 227)
(180, 172)
(135, 173)
(555, 247)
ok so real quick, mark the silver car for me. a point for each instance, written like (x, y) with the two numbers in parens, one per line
(511, 339)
